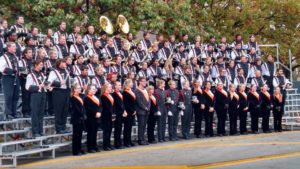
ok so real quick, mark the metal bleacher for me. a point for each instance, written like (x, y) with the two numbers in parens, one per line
(291, 118)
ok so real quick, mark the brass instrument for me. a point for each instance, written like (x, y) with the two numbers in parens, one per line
(123, 24)
(106, 25)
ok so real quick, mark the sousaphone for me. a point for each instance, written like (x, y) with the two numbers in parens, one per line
(122, 23)
(106, 25)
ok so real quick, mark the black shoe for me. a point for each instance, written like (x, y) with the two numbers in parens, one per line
(27, 116)
(127, 145)
(9, 117)
(77, 154)
(106, 149)
(119, 147)
(112, 148)
(132, 144)
(91, 151)
(152, 142)
(142, 143)
(82, 152)
(42, 134)
(36, 135)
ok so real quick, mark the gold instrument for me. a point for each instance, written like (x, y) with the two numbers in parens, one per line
(123, 24)
(106, 25)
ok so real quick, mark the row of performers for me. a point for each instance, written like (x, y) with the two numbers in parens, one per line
(190, 69)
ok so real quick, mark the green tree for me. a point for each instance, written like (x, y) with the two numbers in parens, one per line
(273, 21)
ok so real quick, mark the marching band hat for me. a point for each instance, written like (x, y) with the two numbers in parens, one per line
(102, 33)
(116, 33)
(212, 36)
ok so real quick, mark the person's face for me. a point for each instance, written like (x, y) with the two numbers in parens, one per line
(14, 37)
(130, 36)
(223, 40)
(93, 90)
(232, 88)
(277, 90)
(147, 36)
(220, 86)
(140, 46)
(99, 72)
(208, 86)
(77, 90)
(91, 29)
(143, 82)
(238, 46)
(162, 85)
(265, 87)
(62, 40)
(79, 39)
(30, 42)
(151, 91)
(210, 48)
(172, 85)
(155, 48)
(69, 61)
(197, 84)
(194, 61)
(95, 59)
(84, 72)
(39, 67)
(182, 62)
(197, 44)
(241, 72)
(12, 48)
(110, 42)
(223, 72)
(186, 37)
(254, 88)
(144, 66)
(252, 50)
(47, 42)
(28, 55)
(252, 39)
(63, 26)
(118, 86)
(213, 40)
(188, 71)
(206, 69)
(280, 72)
(244, 59)
(97, 44)
(181, 49)
(50, 32)
(239, 37)
(20, 20)
(77, 29)
(223, 48)
(242, 88)
(231, 64)
(186, 85)
(80, 60)
(53, 55)
(4, 24)
(63, 65)
(35, 31)
(114, 78)
(131, 61)
(130, 84)
(270, 58)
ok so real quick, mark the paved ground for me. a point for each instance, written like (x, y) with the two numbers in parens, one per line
(275, 150)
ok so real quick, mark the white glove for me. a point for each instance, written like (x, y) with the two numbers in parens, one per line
(181, 113)
(183, 107)
(158, 113)
(170, 113)
(172, 101)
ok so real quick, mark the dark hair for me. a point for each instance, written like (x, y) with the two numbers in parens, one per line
(59, 61)
(37, 62)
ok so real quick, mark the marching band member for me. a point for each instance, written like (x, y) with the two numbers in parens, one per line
(165, 52)
(172, 98)
(160, 96)
(185, 42)
(78, 119)
(196, 51)
(216, 68)
(25, 66)
(153, 115)
(120, 114)
(143, 72)
(209, 100)
(99, 80)
(94, 59)
(108, 115)
(258, 80)
(139, 54)
(142, 109)
(96, 49)
(243, 108)
(240, 78)
(281, 81)
(61, 47)
(125, 50)
(254, 107)
(103, 39)
(234, 100)
(210, 53)
(10, 80)
(83, 79)
(243, 64)
(36, 85)
(152, 71)
(187, 76)
(72, 36)
(231, 71)
(61, 31)
(252, 43)
(117, 40)
(223, 79)
(266, 108)
(130, 108)
(145, 42)
(110, 50)
(278, 109)
(237, 53)
(79, 64)
(269, 71)
(93, 109)
(132, 44)
(78, 47)
(257, 65)
(198, 107)
(221, 106)
(129, 66)
(60, 81)
(89, 36)
(185, 96)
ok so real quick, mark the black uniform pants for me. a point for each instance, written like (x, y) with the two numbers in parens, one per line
(173, 125)
(254, 119)
(118, 130)
(92, 128)
(37, 105)
(186, 120)
(11, 90)
(221, 114)
(209, 118)
(77, 138)
(61, 99)
(128, 123)
(243, 121)
(233, 114)
(198, 120)
(265, 119)
(25, 98)
(151, 126)
(161, 125)
(277, 119)
(142, 123)
(107, 129)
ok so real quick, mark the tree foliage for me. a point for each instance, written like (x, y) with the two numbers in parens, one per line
(273, 21)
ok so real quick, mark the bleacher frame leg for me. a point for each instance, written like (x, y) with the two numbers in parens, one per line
(14, 161)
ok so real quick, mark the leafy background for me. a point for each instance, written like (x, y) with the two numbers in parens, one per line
(273, 21)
